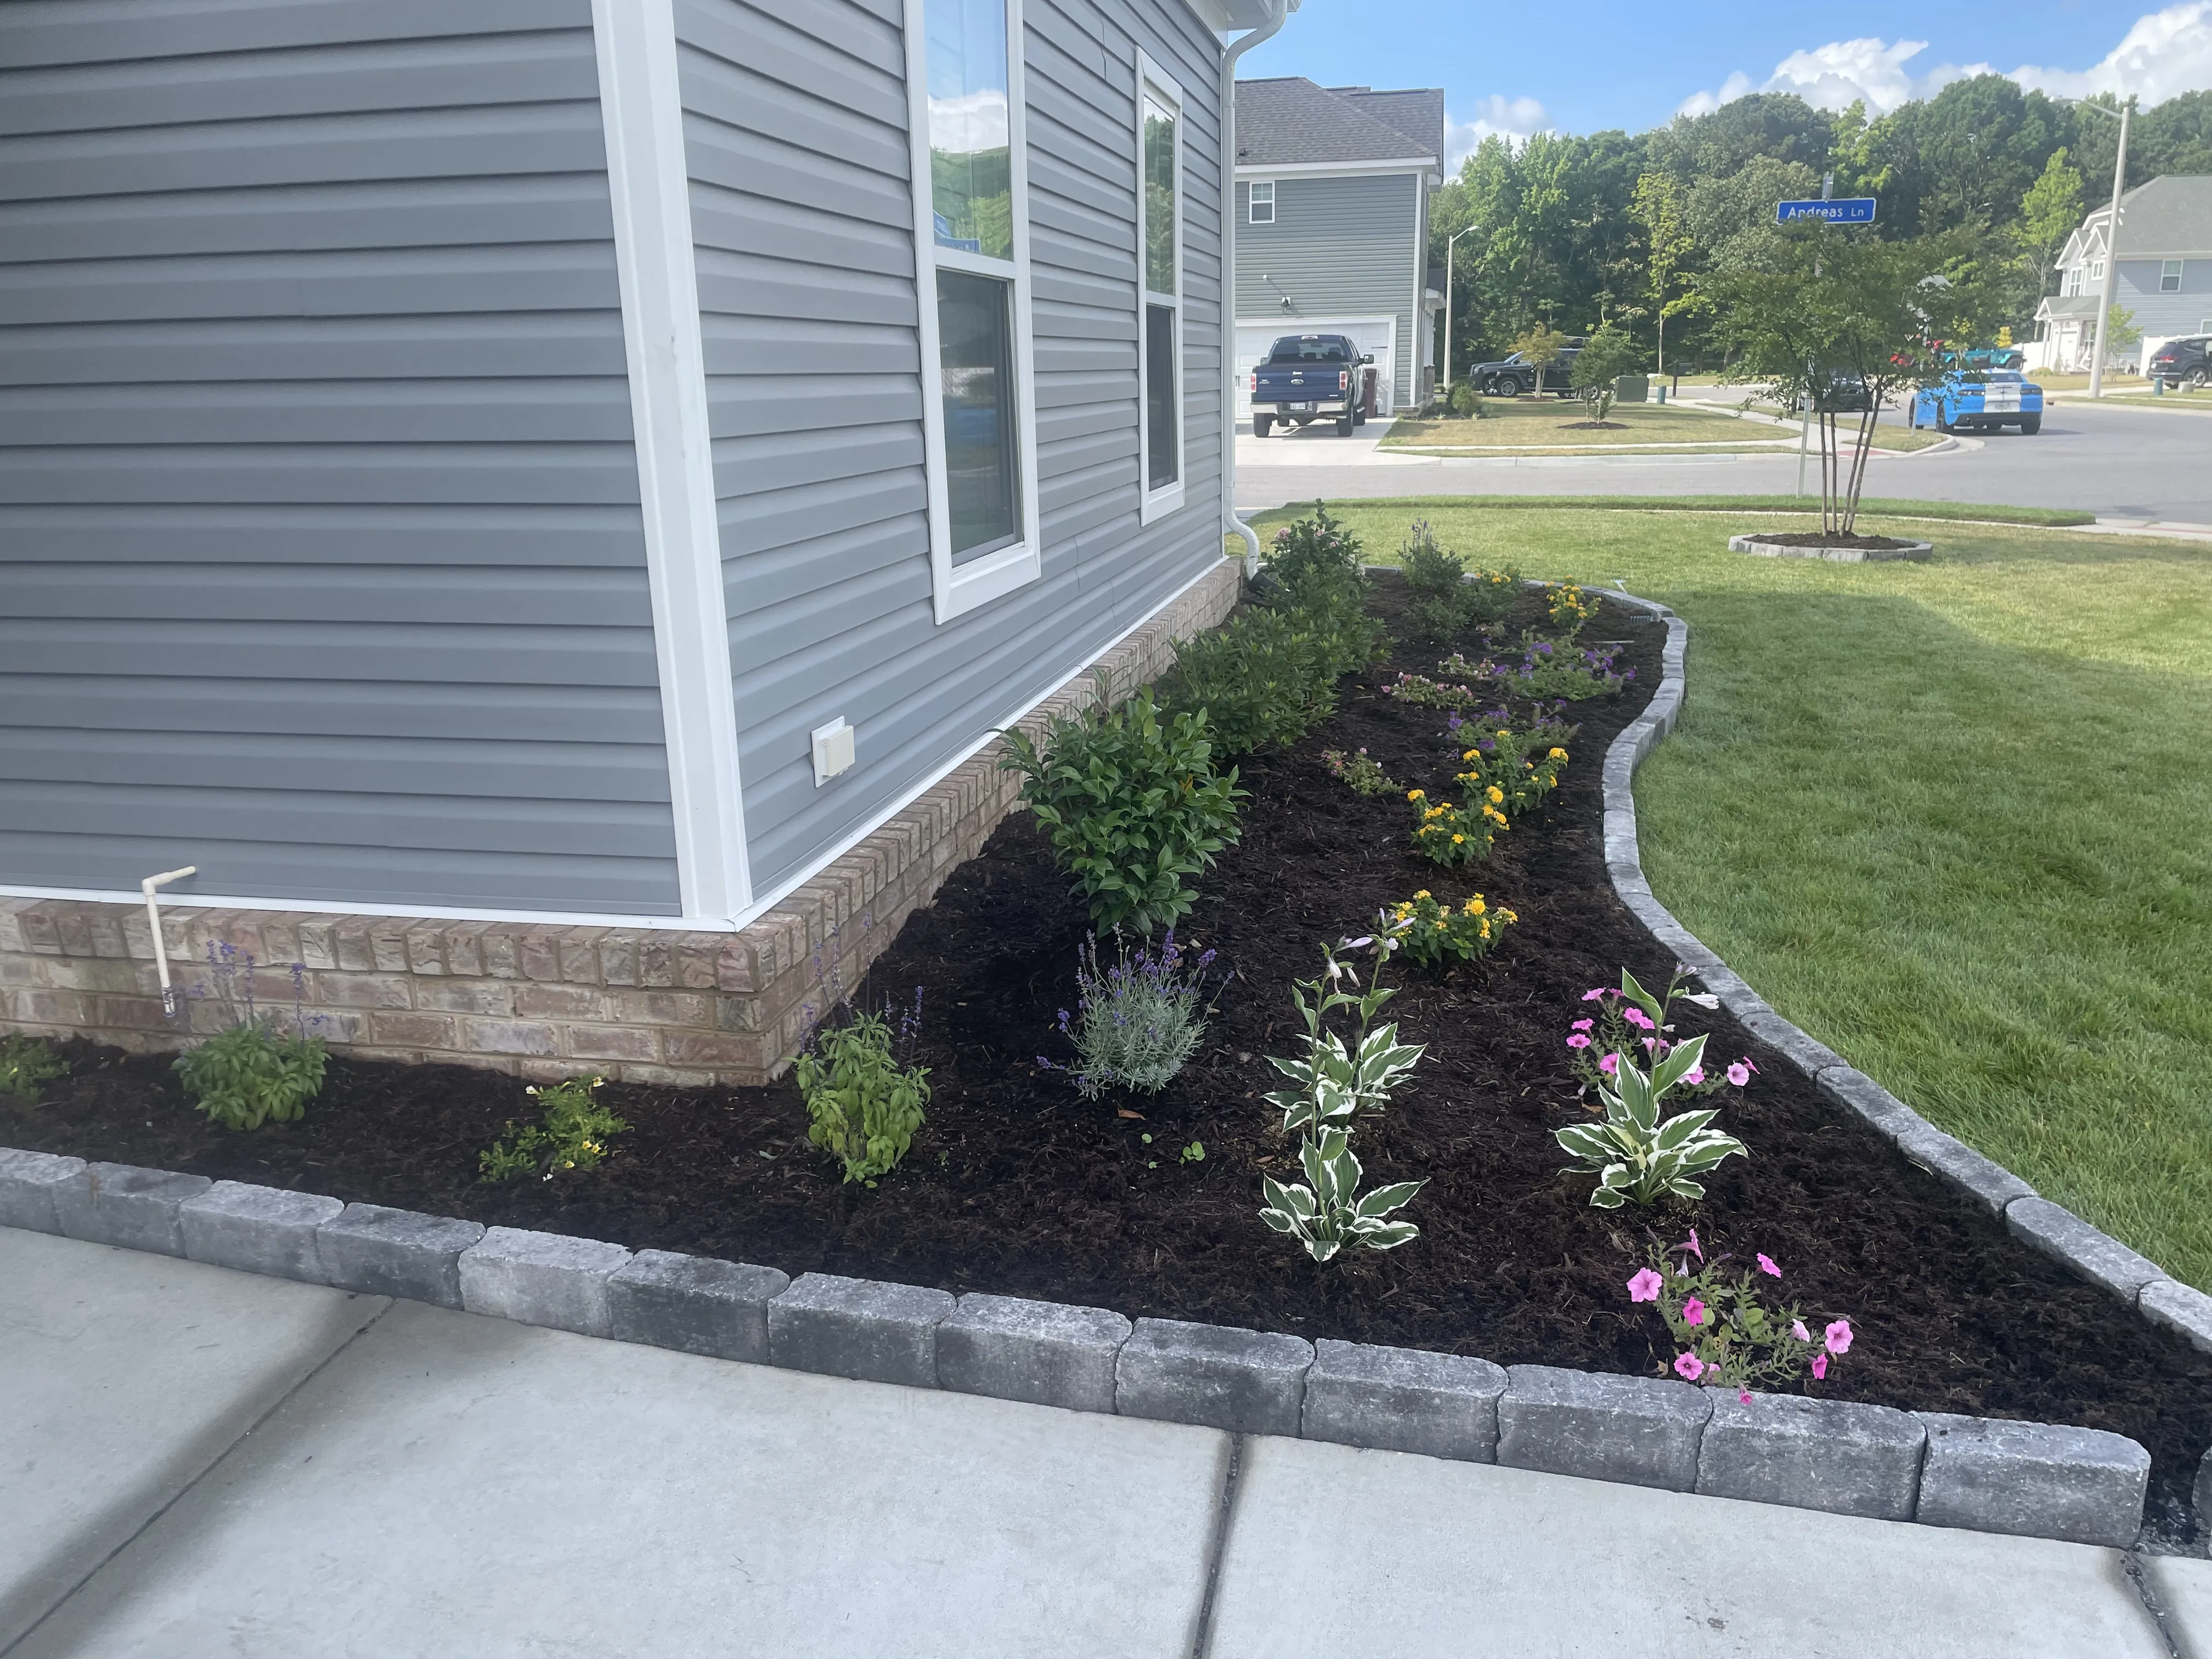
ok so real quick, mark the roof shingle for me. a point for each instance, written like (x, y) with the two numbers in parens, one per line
(1289, 120)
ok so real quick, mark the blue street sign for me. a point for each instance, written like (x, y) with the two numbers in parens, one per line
(1851, 211)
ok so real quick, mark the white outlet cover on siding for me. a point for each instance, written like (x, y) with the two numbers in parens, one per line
(833, 751)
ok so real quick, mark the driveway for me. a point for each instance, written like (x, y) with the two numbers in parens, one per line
(199, 1464)
(2115, 462)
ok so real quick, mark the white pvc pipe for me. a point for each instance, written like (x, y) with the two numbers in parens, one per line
(154, 921)
(1278, 11)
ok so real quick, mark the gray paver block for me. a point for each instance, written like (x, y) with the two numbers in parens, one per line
(695, 1304)
(258, 1230)
(1248, 1382)
(2034, 1479)
(1833, 1455)
(858, 1327)
(541, 1278)
(1642, 1430)
(30, 1185)
(1048, 1352)
(385, 1252)
(1810, 1057)
(1962, 1169)
(2203, 1496)
(1441, 1405)
(1866, 1100)
(2181, 1309)
(2097, 1256)
(120, 1204)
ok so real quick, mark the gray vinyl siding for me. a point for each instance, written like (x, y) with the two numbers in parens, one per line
(319, 515)
(2160, 316)
(1341, 246)
(795, 119)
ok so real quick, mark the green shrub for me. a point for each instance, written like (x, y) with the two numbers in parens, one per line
(862, 1106)
(25, 1063)
(246, 1076)
(1315, 567)
(1262, 679)
(572, 1133)
(1132, 805)
(1466, 400)
(1431, 934)
(1447, 598)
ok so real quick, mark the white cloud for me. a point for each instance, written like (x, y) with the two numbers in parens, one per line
(1517, 119)
(2166, 52)
(973, 121)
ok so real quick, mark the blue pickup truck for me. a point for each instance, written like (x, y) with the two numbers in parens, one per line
(1307, 378)
(1967, 401)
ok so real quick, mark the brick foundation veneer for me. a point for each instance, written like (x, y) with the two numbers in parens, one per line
(549, 1000)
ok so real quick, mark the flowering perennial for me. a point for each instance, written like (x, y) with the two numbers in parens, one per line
(1570, 607)
(1431, 933)
(1725, 1334)
(1137, 1023)
(1365, 775)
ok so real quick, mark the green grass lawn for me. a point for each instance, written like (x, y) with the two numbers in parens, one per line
(1955, 819)
(1533, 424)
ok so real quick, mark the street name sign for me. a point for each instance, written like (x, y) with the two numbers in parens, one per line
(1850, 210)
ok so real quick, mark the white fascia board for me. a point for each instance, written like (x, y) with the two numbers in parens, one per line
(1325, 169)
(641, 106)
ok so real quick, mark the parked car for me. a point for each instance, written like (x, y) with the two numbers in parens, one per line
(1511, 376)
(1968, 402)
(1307, 378)
(1981, 358)
(2186, 362)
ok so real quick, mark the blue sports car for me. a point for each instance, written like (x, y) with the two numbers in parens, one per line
(1971, 402)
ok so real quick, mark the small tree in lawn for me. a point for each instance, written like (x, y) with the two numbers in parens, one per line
(1844, 325)
(1540, 347)
(1599, 366)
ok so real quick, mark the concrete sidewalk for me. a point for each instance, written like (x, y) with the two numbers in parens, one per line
(197, 1462)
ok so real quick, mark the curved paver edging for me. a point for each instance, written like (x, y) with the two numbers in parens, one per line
(2036, 1480)
(1915, 551)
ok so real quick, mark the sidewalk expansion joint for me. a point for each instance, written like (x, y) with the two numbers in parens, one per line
(2131, 1565)
(1217, 1551)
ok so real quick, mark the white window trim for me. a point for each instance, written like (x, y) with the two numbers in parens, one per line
(2180, 275)
(1252, 184)
(956, 590)
(1152, 504)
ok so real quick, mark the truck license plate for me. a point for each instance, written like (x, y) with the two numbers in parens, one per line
(1302, 409)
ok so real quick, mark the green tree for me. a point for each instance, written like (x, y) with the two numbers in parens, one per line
(1843, 323)
(1599, 366)
(2120, 329)
(2049, 213)
(1656, 207)
(1539, 344)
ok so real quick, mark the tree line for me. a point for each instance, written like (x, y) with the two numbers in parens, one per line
(1574, 231)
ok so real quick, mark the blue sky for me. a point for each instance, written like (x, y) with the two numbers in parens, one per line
(1513, 67)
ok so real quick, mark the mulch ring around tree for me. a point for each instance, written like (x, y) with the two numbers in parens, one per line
(1016, 1185)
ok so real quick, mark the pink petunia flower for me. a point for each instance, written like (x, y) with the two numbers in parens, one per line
(1609, 1065)
(1689, 1367)
(1644, 1287)
(1693, 1312)
(1819, 1367)
(1839, 1337)
(1576, 1040)
(1638, 1019)
(1766, 1265)
(1597, 995)
(1696, 1248)
(1743, 1396)
(1696, 1075)
(1739, 1074)
(1797, 1329)
(1582, 1025)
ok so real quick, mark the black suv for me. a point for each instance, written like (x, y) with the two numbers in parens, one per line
(2188, 362)
(1516, 375)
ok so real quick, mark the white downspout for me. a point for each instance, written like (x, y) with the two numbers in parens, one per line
(154, 921)
(1278, 12)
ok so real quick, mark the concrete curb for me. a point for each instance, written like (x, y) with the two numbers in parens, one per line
(1992, 1476)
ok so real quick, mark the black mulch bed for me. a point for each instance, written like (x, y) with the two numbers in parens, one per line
(1015, 1185)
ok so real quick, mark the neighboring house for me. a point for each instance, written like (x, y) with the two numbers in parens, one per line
(2164, 277)
(536, 471)
(1333, 187)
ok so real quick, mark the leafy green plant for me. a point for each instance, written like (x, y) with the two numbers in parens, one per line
(1465, 401)
(1598, 367)
(1136, 1023)
(1631, 1020)
(1638, 1156)
(862, 1104)
(1131, 803)
(1326, 1213)
(1339, 1077)
(1548, 669)
(1569, 607)
(1365, 775)
(1444, 603)
(1314, 568)
(25, 1063)
(1446, 834)
(572, 1133)
(1194, 1153)
(252, 1073)
(1726, 1334)
(1262, 679)
(1501, 778)
(1433, 935)
(1423, 692)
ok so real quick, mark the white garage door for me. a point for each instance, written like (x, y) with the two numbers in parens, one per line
(1376, 336)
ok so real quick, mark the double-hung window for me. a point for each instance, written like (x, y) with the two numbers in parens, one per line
(1260, 204)
(972, 283)
(2169, 276)
(1160, 284)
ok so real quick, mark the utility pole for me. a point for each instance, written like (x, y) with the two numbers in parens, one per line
(1450, 242)
(2111, 252)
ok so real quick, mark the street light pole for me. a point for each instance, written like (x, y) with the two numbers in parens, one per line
(2111, 252)
(1450, 242)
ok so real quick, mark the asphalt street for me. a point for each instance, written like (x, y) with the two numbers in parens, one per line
(2113, 461)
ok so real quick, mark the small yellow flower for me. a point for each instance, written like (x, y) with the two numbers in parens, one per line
(1495, 794)
(1416, 794)
(1557, 754)
(1423, 894)
(1457, 839)
(1475, 907)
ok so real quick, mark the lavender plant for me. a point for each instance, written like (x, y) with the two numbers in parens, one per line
(1137, 1023)
(249, 1071)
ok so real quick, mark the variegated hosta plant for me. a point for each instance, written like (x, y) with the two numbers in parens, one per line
(1638, 1156)
(1326, 1213)
(1337, 1080)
